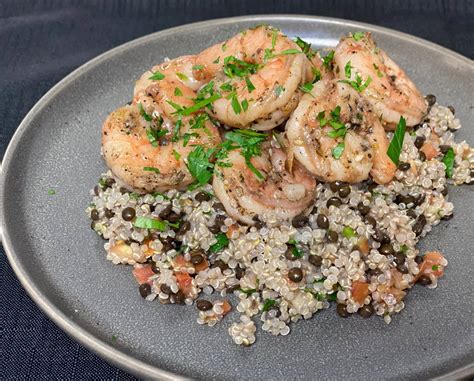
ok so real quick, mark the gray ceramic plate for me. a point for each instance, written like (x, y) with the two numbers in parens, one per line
(61, 262)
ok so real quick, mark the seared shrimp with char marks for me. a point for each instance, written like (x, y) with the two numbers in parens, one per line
(265, 190)
(335, 134)
(258, 72)
(389, 90)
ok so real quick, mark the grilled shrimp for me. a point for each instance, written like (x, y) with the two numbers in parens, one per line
(258, 73)
(335, 134)
(280, 195)
(390, 91)
(146, 144)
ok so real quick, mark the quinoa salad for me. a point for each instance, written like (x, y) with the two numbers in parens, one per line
(263, 177)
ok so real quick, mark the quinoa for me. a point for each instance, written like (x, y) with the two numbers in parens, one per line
(366, 240)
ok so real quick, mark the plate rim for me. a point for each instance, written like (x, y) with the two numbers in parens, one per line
(106, 351)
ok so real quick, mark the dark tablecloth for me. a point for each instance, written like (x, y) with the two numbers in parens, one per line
(42, 41)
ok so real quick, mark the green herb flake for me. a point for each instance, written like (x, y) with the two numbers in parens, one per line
(358, 35)
(357, 84)
(434, 267)
(134, 196)
(114, 338)
(154, 135)
(332, 297)
(236, 105)
(157, 76)
(379, 74)
(143, 113)
(216, 61)
(307, 87)
(150, 223)
(274, 38)
(278, 90)
(234, 67)
(199, 164)
(51, 192)
(151, 169)
(347, 69)
(250, 85)
(267, 304)
(178, 92)
(245, 105)
(338, 150)
(396, 145)
(328, 60)
(348, 232)
(247, 291)
(448, 160)
(321, 119)
(181, 76)
(289, 51)
(316, 73)
(305, 47)
(222, 242)
(198, 67)
(176, 155)
(187, 137)
(337, 133)
(199, 105)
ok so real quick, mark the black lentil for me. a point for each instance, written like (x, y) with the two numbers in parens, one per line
(109, 181)
(202, 196)
(108, 213)
(128, 214)
(411, 213)
(447, 217)
(322, 221)
(165, 289)
(299, 221)
(97, 190)
(183, 228)
(419, 141)
(196, 258)
(173, 217)
(204, 305)
(404, 166)
(219, 206)
(371, 221)
(444, 191)
(239, 272)
(295, 274)
(332, 236)
(144, 289)
(374, 272)
(419, 225)
(431, 99)
(399, 258)
(335, 201)
(221, 264)
(336, 185)
(381, 237)
(386, 249)
(424, 280)
(123, 190)
(363, 209)
(418, 259)
(420, 199)
(452, 109)
(342, 310)
(214, 229)
(165, 212)
(422, 155)
(403, 269)
(231, 289)
(405, 199)
(179, 297)
(366, 311)
(289, 254)
(93, 223)
(155, 269)
(315, 260)
(344, 191)
(444, 148)
(94, 215)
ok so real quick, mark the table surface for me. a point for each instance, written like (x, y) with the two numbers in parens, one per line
(43, 41)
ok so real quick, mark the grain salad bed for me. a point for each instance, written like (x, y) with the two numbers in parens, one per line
(345, 251)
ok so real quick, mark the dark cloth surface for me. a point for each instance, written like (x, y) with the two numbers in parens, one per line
(42, 41)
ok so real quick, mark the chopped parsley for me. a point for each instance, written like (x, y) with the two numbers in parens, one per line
(347, 69)
(176, 155)
(199, 105)
(245, 105)
(249, 84)
(181, 76)
(187, 137)
(274, 38)
(157, 76)
(198, 67)
(278, 90)
(357, 84)
(395, 147)
(267, 304)
(348, 232)
(448, 160)
(358, 35)
(222, 242)
(316, 73)
(150, 223)
(305, 47)
(178, 92)
(216, 61)
(338, 150)
(151, 169)
(143, 113)
(435, 267)
(233, 67)
(154, 135)
(307, 87)
(379, 73)
(247, 291)
(328, 60)
(235, 104)
(296, 252)
(51, 192)
(114, 338)
(199, 164)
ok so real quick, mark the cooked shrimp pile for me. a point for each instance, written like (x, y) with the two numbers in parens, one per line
(261, 168)
(327, 117)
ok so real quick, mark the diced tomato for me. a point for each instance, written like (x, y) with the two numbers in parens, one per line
(430, 150)
(231, 229)
(226, 307)
(143, 273)
(360, 290)
(180, 261)
(184, 282)
(433, 263)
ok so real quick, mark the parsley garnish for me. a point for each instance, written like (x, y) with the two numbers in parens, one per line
(245, 105)
(395, 147)
(448, 160)
(379, 74)
(222, 242)
(157, 76)
(176, 155)
(274, 38)
(267, 304)
(338, 150)
(295, 250)
(150, 223)
(143, 113)
(316, 73)
(357, 84)
(250, 85)
(233, 67)
(216, 61)
(200, 104)
(235, 104)
(187, 137)
(347, 69)
(198, 67)
(154, 135)
(199, 165)
(248, 291)
(178, 92)
(358, 35)
(348, 232)
(434, 267)
(182, 76)
(305, 47)
(278, 90)
(307, 87)
(328, 60)
(151, 169)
